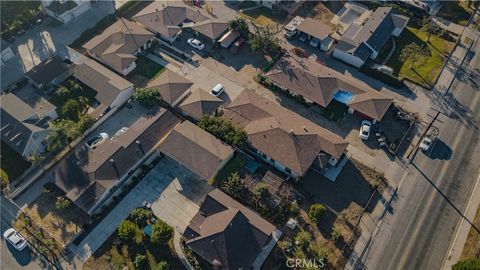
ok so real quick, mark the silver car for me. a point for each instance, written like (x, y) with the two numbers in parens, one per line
(16, 239)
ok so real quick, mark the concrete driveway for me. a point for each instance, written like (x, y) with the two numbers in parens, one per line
(47, 39)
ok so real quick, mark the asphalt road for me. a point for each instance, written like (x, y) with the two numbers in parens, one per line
(10, 258)
(418, 231)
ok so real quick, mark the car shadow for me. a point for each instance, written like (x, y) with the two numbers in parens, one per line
(440, 150)
(23, 257)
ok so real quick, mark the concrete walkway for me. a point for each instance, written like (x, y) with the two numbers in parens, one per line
(177, 245)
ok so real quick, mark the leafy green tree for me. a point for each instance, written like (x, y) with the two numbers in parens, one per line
(467, 264)
(316, 212)
(140, 216)
(336, 233)
(161, 233)
(240, 25)
(4, 179)
(261, 193)
(431, 28)
(163, 265)
(62, 203)
(71, 109)
(234, 186)
(264, 39)
(224, 129)
(303, 238)
(140, 262)
(62, 91)
(414, 53)
(146, 96)
(126, 230)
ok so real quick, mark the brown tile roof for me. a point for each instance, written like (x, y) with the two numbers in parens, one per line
(269, 125)
(106, 83)
(319, 84)
(118, 43)
(199, 103)
(84, 175)
(196, 149)
(315, 28)
(48, 70)
(167, 20)
(226, 233)
(170, 85)
(211, 28)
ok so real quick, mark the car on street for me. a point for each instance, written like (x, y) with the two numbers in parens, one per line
(217, 90)
(314, 42)
(365, 129)
(15, 238)
(96, 140)
(195, 43)
(303, 37)
(119, 132)
(426, 144)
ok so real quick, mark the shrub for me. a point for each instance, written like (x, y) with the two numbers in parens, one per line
(467, 264)
(234, 186)
(224, 129)
(294, 209)
(303, 239)
(316, 211)
(146, 96)
(126, 230)
(62, 203)
(161, 233)
(163, 265)
(140, 216)
(385, 78)
(4, 179)
(141, 262)
(336, 233)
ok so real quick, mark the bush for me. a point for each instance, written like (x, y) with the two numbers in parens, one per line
(62, 203)
(316, 211)
(294, 209)
(141, 262)
(385, 78)
(140, 216)
(234, 186)
(467, 264)
(126, 230)
(163, 265)
(146, 96)
(303, 239)
(4, 179)
(336, 233)
(162, 233)
(224, 129)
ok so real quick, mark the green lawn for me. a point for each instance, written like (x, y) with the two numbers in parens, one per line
(457, 11)
(12, 163)
(146, 68)
(426, 74)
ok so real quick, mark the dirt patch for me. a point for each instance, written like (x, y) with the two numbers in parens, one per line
(374, 178)
(62, 225)
(472, 245)
(321, 11)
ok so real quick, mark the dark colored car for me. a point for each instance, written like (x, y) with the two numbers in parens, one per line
(236, 46)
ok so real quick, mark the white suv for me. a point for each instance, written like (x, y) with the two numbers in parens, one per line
(217, 90)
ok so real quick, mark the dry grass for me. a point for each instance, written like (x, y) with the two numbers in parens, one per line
(373, 177)
(472, 245)
(62, 225)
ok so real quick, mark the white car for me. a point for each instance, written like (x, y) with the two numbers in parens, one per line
(119, 132)
(217, 90)
(426, 144)
(365, 129)
(195, 43)
(96, 140)
(314, 42)
(14, 238)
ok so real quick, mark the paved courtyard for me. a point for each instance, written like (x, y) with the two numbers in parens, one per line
(175, 194)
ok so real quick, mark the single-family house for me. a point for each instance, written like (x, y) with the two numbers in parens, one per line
(286, 140)
(89, 177)
(112, 91)
(65, 10)
(119, 44)
(316, 30)
(228, 235)
(168, 21)
(25, 120)
(172, 87)
(197, 150)
(362, 42)
(321, 85)
(199, 103)
(50, 72)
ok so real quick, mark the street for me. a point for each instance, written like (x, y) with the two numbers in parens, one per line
(417, 232)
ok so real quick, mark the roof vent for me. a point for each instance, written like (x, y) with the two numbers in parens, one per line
(112, 160)
(305, 128)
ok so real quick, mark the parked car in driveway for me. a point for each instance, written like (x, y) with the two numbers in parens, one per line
(195, 43)
(365, 129)
(426, 144)
(15, 238)
(96, 140)
(217, 90)
(236, 46)
(314, 42)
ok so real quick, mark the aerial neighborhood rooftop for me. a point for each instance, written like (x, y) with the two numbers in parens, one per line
(237, 134)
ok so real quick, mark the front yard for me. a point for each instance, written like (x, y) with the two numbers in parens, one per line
(12, 163)
(426, 73)
(146, 246)
(145, 71)
(457, 11)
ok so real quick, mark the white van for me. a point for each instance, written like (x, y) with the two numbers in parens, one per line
(217, 90)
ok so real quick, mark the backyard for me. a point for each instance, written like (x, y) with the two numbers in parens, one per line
(72, 98)
(12, 163)
(265, 17)
(140, 252)
(424, 73)
(457, 11)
